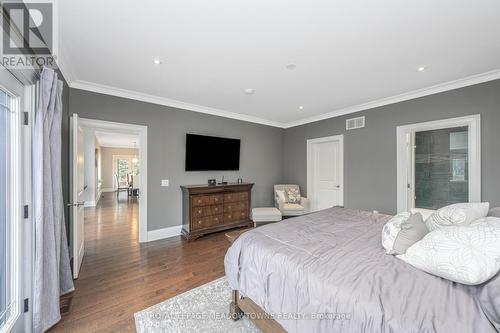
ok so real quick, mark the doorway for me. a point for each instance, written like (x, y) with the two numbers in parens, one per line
(114, 160)
(439, 163)
(325, 172)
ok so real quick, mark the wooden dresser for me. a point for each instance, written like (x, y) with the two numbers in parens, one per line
(207, 209)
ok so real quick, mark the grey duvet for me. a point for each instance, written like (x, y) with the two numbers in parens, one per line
(327, 272)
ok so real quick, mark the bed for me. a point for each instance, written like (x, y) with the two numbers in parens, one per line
(327, 272)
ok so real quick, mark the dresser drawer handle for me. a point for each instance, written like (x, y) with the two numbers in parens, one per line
(228, 207)
(242, 214)
(199, 211)
(216, 209)
(216, 219)
(229, 197)
(199, 221)
(199, 201)
(229, 216)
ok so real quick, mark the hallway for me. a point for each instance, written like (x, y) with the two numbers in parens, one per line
(119, 276)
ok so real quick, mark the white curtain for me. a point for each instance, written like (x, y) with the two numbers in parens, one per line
(52, 273)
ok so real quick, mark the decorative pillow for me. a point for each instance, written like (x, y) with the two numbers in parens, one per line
(281, 195)
(292, 195)
(457, 214)
(465, 254)
(391, 230)
(412, 230)
(426, 213)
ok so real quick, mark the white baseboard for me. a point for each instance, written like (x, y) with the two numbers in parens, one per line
(89, 204)
(105, 190)
(164, 233)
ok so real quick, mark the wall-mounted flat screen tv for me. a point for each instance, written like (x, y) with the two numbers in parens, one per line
(210, 153)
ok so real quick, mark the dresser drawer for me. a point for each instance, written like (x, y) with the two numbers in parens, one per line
(216, 209)
(239, 215)
(243, 196)
(242, 215)
(216, 199)
(198, 223)
(217, 220)
(200, 200)
(201, 211)
(235, 197)
(234, 206)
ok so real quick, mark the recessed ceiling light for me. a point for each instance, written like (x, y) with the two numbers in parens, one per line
(291, 66)
(249, 91)
(301, 108)
(421, 69)
(157, 61)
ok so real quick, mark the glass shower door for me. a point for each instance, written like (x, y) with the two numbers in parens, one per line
(441, 171)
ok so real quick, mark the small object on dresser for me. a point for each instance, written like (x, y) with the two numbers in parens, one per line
(240, 180)
(223, 182)
(212, 182)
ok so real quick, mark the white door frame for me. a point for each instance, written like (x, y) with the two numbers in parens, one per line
(142, 132)
(77, 209)
(310, 189)
(405, 155)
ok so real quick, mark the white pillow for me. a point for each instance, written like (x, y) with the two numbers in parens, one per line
(426, 213)
(281, 195)
(391, 229)
(465, 254)
(457, 214)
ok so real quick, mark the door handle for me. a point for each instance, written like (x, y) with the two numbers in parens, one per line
(79, 203)
(337, 186)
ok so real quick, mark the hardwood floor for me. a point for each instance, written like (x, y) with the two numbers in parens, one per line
(119, 276)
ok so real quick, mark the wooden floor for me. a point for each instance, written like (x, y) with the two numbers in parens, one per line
(119, 276)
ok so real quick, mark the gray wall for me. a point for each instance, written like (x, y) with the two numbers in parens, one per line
(261, 149)
(370, 153)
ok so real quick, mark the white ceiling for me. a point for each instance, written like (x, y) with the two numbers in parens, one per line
(349, 55)
(117, 140)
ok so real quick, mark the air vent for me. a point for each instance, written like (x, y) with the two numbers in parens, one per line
(354, 123)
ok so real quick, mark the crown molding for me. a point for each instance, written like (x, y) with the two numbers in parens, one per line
(442, 87)
(108, 90)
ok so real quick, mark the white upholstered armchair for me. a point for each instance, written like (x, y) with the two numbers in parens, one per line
(288, 205)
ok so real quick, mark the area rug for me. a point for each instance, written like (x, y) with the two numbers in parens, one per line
(203, 309)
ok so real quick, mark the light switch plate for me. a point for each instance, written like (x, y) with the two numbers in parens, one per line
(164, 182)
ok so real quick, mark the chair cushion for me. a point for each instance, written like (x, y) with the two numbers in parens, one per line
(267, 214)
(292, 206)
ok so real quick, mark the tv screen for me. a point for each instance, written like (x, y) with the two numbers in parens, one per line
(204, 153)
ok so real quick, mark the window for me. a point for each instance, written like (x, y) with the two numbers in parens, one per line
(125, 166)
(439, 163)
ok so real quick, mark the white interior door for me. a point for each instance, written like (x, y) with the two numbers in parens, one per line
(325, 172)
(77, 193)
